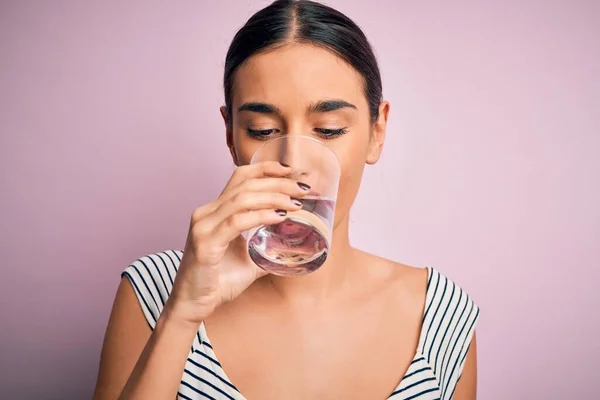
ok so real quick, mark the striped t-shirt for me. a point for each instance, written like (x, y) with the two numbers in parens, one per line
(447, 328)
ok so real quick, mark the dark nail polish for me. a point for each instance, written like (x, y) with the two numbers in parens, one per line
(284, 164)
(283, 213)
(304, 186)
(297, 202)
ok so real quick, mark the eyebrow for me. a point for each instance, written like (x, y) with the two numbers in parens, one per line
(262, 108)
(322, 106)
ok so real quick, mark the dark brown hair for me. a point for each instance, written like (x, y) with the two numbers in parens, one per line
(305, 21)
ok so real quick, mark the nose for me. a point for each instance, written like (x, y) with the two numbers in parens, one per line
(289, 150)
(293, 152)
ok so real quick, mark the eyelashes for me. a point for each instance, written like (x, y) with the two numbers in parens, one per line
(264, 134)
(331, 132)
(260, 134)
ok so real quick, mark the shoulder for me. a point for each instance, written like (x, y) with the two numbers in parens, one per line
(152, 278)
(447, 313)
(406, 285)
(441, 301)
(434, 295)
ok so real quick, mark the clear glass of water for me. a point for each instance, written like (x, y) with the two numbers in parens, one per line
(301, 243)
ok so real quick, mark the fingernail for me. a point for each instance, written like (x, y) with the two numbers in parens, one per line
(284, 164)
(304, 186)
(283, 213)
(297, 202)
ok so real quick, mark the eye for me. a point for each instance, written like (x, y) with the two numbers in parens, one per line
(261, 134)
(331, 133)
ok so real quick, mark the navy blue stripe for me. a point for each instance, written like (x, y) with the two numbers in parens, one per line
(435, 314)
(176, 254)
(421, 393)
(161, 279)
(437, 356)
(468, 345)
(167, 267)
(437, 282)
(135, 268)
(162, 299)
(437, 331)
(162, 271)
(462, 360)
(416, 360)
(432, 378)
(184, 396)
(416, 372)
(460, 323)
(216, 388)
(173, 262)
(140, 296)
(209, 358)
(464, 324)
(444, 364)
(199, 341)
(430, 273)
(197, 391)
(461, 373)
(213, 373)
(204, 342)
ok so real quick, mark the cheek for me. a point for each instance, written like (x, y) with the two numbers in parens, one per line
(245, 148)
(350, 180)
(352, 172)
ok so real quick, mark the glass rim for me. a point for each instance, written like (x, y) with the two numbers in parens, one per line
(287, 136)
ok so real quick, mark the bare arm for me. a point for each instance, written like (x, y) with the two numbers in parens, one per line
(466, 388)
(138, 363)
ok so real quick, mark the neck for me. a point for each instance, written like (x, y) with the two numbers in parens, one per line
(325, 282)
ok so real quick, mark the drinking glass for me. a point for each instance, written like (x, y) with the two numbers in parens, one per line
(300, 244)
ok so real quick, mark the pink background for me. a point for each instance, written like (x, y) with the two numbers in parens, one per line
(110, 136)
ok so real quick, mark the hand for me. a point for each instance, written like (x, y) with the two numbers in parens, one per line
(215, 267)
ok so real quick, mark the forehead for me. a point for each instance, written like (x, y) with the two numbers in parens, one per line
(297, 74)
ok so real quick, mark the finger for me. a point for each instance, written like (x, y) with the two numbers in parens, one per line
(203, 224)
(286, 186)
(254, 201)
(235, 224)
(262, 181)
(203, 211)
(258, 170)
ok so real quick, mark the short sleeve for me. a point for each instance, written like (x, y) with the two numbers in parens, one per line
(448, 326)
(152, 279)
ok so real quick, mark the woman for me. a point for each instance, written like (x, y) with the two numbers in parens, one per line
(208, 323)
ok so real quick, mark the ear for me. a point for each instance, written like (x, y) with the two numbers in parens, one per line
(229, 134)
(378, 134)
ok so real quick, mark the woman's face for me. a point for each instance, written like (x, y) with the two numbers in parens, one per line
(306, 90)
